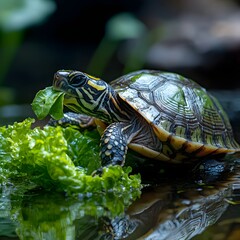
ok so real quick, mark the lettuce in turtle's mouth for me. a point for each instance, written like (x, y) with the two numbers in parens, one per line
(48, 101)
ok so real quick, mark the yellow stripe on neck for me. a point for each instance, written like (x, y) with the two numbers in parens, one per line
(92, 77)
(98, 87)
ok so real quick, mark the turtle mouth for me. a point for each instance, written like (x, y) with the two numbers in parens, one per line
(60, 83)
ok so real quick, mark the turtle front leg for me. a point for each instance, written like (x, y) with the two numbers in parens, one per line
(78, 121)
(114, 144)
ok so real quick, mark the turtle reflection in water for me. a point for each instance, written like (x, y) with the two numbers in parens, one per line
(175, 210)
(161, 115)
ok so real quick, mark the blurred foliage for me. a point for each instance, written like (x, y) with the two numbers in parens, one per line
(19, 14)
(120, 27)
(124, 27)
(15, 17)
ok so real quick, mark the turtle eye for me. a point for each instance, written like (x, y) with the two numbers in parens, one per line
(78, 80)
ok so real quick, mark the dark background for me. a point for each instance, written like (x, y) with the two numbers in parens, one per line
(199, 39)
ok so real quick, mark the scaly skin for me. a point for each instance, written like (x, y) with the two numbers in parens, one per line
(113, 145)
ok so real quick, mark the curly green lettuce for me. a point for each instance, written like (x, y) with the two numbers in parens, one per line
(61, 159)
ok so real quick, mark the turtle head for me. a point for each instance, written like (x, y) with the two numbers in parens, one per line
(83, 93)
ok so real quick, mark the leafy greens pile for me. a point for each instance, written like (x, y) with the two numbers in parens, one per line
(60, 158)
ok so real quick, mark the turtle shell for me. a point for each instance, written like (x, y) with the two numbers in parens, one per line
(183, 115)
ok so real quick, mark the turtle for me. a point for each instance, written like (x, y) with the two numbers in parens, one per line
(161, 115)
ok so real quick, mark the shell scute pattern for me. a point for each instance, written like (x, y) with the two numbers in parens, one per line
(177, 105)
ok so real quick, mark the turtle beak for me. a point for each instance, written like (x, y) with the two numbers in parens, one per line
(61, 83)
(60, 80)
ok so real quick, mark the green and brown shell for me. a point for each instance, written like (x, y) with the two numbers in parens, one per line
(188, 121)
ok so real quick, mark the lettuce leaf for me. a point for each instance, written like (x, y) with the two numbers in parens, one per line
(57, 158)
(48, 101)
